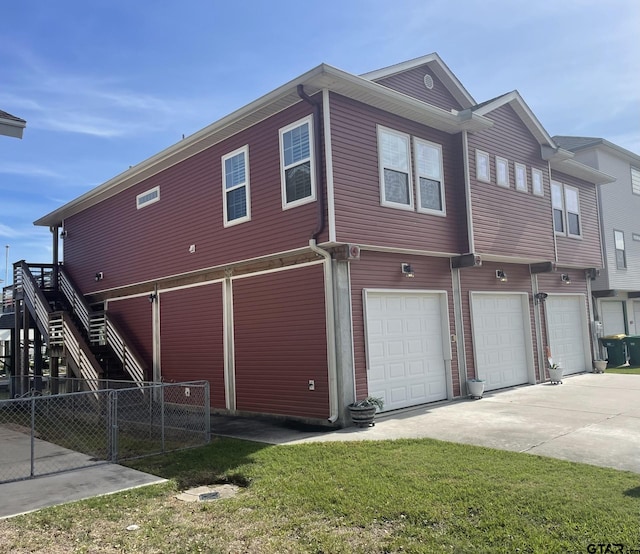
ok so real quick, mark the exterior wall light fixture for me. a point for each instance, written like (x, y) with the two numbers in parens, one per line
(152, 297)
(565, 278)
(99, 276)
(407, 270)
(501, 275)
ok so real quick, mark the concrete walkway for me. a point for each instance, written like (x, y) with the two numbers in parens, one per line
(591, 418)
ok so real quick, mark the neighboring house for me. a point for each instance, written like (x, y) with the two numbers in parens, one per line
(342, 236)
(11, 126)
(616, 290)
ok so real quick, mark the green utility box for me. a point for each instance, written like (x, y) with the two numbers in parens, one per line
(616, 355)
(633, 348)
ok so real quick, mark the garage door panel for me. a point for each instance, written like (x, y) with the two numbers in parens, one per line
(405, 348)
(566, 318)
(500, 339)
(612, 313)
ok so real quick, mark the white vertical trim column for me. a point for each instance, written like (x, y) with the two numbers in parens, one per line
(467, 189)
(537, 318)
(156, 337)
(228, 342)
(328, 159)
(458, 324)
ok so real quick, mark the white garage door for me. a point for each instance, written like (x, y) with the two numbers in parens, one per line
(405, 353)
(566, 320)
(612, 314)
(501, 339)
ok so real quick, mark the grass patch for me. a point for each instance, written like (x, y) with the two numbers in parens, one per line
(388, 496)
(624, 370)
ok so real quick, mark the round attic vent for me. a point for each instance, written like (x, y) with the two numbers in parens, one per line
(428, 81)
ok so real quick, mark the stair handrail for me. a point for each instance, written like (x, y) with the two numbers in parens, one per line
(33, 295)
(107, 331)
(64, 333)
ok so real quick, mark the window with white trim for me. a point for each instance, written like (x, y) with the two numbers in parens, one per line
(396, 188)
(537, 182)
(148, 197)
(235, 186)
(572, 209)
(297, 164)
(483, 169)
(429, 177)
(635, 180)
(621, 256)
(502, 172)
(635, 236)
(521, 177)
(557, 201)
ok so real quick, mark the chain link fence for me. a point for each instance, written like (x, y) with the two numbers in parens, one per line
(112, 421)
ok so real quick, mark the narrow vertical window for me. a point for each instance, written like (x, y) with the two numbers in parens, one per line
(521, 177)
(297, 164)
(635, 180)
(396, 189)
(235, 184)
(429, 177)
(558, 207)
(572, 208)
(502, 172)
(483, 171)
(537, 182)
(621, 256)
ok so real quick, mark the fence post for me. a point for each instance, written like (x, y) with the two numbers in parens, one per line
(113, 424)
(161, 387)
(33, 436)
(207, 413)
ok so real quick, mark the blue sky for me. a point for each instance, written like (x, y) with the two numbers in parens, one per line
(104, 85)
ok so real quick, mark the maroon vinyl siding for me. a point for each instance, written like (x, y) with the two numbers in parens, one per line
(483, 279)
(281, 343)
(584, 251)
(130, 245)
(411, 83)
(509, 222)
(191, 338)
(134, 318)
(359, 216)
(377, 270)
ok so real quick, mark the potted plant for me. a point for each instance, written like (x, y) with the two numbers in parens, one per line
(475, 387)
(599, 366)
(363, 412)
(555, 374)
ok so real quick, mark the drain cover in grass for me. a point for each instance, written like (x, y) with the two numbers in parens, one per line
(208, 493)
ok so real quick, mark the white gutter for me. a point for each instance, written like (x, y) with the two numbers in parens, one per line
(331, 343)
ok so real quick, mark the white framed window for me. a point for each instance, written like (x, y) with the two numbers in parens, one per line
(521, 177)
(572, 209)
(394, 157)
(557, 202)
(148, 197)
(621, 256)
(635, 236)
(235, 187)
(297, 163)
(537, 182)
(635, 180)
(502, 172)
(483, 169)
(429, 177)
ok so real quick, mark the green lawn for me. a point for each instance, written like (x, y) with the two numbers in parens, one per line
(391, 496)
(634, 370)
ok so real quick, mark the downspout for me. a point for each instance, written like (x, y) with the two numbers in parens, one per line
(317, 126)
(330, 317)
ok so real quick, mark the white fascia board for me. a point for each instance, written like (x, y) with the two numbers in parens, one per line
(11, 127)
(526, 115)
(442, 71)
(581, 171)
(322, 76)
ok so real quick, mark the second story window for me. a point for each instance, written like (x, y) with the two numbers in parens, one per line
(635, 180)
(429, 177)
(394, 156)
(235, 183)
(621, 257)
(297, 163)
(566, 210)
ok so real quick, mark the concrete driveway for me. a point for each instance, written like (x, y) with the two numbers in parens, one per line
(590, 418)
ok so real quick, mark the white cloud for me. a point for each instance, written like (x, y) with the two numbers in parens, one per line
(28, 170)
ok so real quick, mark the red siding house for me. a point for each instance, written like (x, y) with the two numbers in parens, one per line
(344, 236)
